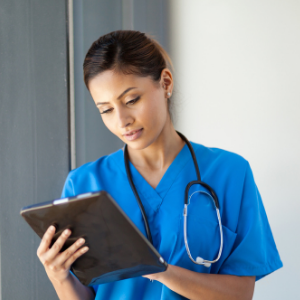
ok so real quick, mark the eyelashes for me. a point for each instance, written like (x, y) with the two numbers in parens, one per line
(131, 102)
(106, 111)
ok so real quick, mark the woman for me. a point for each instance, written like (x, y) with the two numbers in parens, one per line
(128, 77)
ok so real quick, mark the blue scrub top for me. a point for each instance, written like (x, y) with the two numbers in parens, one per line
(249, 248)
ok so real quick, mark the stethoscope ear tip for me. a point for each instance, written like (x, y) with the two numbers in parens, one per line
(200, 261)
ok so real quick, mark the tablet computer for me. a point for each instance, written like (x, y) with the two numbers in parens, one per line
(117, 248)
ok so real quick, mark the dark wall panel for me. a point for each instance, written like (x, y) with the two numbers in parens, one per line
(34, 145)
(152, 17)
(92, 19)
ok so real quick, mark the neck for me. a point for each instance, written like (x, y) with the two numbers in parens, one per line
(160, 154)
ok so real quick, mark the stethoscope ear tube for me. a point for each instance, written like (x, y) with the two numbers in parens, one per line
(126, 160)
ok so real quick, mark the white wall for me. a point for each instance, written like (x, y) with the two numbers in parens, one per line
(237, 72)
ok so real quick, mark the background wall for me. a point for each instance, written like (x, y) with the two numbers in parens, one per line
(34, 143)
(237, 71)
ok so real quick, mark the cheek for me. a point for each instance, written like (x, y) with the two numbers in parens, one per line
(155, 113)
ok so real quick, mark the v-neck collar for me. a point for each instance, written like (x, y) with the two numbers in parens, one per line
(154, 197)
(176, 166)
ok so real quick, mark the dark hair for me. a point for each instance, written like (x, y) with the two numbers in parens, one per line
(126, 51)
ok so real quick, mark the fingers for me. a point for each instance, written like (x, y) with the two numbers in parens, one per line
(64, 256)
(46, 241)
(56, 247)
(57, 265)
(63, 261)
(75, 255)
(51, 258)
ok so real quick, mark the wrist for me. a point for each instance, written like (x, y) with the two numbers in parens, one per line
(60, 281)
(161, 276)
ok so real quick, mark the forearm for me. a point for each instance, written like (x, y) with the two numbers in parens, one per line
(200, 286)
(72, 289)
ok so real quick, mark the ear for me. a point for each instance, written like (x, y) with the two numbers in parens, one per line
(166, 81)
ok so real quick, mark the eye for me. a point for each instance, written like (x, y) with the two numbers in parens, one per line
(133, 101)
(106, 111)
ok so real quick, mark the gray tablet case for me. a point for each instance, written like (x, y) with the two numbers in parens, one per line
(117, 249)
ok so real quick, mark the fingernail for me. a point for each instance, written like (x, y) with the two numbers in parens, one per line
(81, 241)
(67, 232)
(51, 228)
(84, 249)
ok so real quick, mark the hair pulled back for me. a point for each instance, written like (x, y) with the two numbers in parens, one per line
(126, 51)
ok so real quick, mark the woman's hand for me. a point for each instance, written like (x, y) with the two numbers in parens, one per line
(57, 265)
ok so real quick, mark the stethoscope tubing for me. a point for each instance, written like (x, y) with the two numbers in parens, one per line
(204, 262)
(126, 160)
(212, 195)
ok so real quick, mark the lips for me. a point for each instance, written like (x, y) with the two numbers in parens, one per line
(133, 134)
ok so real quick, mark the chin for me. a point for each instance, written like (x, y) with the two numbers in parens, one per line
(138, 144)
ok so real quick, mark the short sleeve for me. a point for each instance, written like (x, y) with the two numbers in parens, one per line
(254, 252)
(69, 191)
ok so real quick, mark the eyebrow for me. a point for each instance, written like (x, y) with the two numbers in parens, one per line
(126, 91)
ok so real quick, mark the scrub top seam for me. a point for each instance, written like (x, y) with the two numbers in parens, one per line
(241, 196)
(73, 189)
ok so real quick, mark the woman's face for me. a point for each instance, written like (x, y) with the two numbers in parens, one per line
(133, 108)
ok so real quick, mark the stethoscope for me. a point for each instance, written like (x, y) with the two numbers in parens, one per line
(211, 194)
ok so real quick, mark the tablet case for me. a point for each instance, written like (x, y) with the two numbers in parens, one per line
(117, 249)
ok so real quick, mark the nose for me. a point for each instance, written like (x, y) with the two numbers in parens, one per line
(124, 119)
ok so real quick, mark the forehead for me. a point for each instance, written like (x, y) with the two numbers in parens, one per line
(110, 84)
